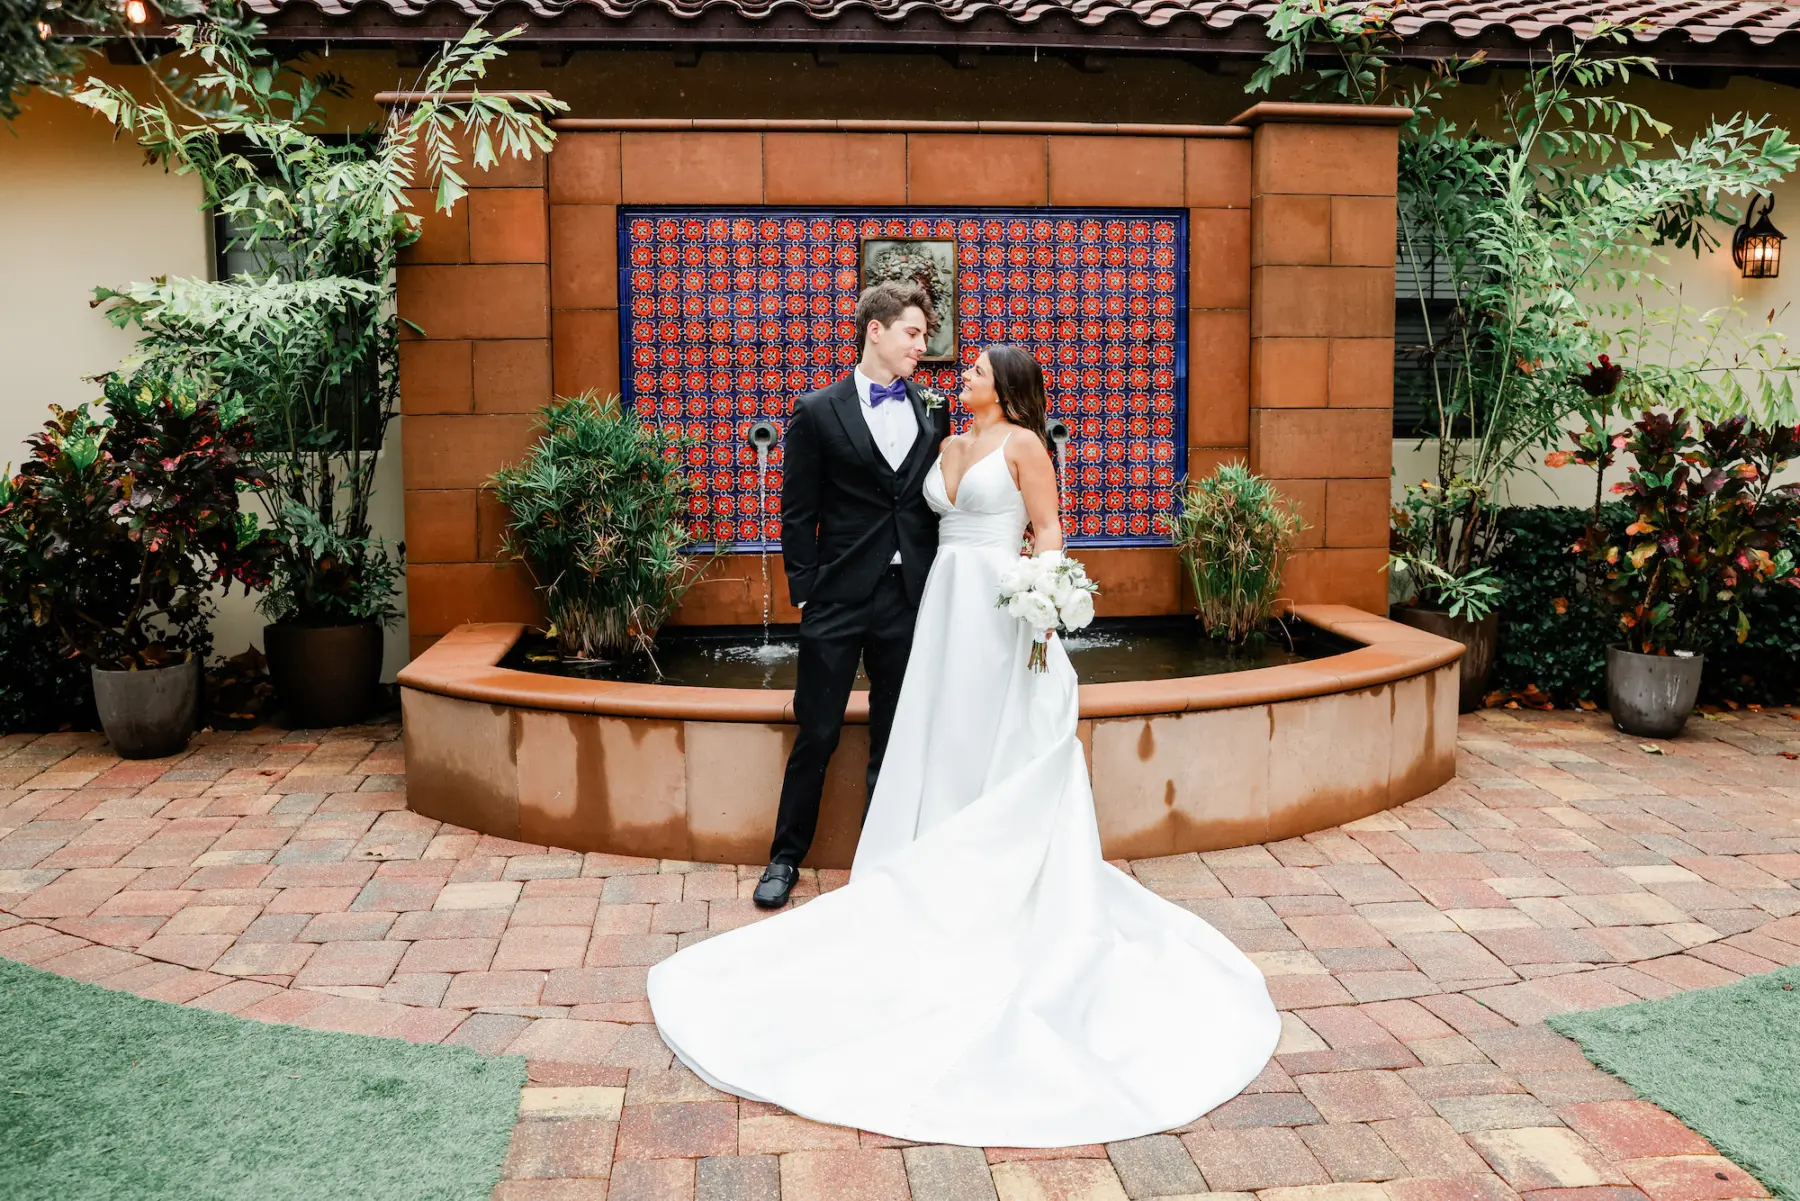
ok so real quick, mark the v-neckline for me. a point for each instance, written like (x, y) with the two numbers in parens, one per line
(948, 495)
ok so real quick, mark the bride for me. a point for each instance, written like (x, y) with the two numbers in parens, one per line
(985, 978)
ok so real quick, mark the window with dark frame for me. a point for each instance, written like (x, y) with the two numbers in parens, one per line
(229, 257)
(1424, 301)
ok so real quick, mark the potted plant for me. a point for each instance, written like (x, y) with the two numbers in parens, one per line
(115, 531)
(307, 339)
(1706, 535)
(332, 597)
(598, 508)
(1440, 542)
(312, 364)
(1234, 532)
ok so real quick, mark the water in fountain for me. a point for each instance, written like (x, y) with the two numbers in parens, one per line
(1091, 639)
(1112, 649)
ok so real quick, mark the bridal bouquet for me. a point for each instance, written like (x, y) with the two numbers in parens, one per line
(1048, 592)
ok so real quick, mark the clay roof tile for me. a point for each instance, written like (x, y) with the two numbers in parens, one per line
(1694, 21)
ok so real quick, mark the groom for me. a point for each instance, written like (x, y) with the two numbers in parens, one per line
(858, 539)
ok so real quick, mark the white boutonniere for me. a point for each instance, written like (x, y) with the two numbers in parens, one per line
(933, 399)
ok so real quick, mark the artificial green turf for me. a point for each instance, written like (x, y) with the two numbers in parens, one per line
(1724, 1060)
(107, 1095)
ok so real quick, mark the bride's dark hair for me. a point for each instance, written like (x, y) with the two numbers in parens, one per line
(1019, 383)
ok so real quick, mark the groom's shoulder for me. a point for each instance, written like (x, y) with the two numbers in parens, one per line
(821, 396)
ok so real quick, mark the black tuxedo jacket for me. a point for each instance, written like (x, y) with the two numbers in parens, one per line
(844, 511)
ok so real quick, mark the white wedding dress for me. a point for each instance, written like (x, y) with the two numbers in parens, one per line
(985, 978)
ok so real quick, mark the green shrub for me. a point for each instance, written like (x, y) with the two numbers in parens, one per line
(598, 508)
(1234, 531)
(1765, 667)
(1708, 532)
(306, 339)
(115, 530)
(42, 688)
(1553, 635)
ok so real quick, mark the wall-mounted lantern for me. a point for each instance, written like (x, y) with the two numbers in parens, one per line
(1756, 246)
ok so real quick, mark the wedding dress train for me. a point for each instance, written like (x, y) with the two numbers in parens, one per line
(985, 978)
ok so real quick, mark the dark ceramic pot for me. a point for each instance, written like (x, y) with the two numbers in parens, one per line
(150, 713)
(1650, 696)
(326, 675)
(1479, 638)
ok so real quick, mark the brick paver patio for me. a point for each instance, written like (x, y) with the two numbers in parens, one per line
(1414, 956)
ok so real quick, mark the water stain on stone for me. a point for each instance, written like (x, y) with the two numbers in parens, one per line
(446, 785)
(1146, 746)
(592, 782)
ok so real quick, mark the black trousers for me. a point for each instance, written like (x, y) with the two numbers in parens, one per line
(834, 635)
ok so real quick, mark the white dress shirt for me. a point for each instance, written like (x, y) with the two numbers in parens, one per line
(892, 425)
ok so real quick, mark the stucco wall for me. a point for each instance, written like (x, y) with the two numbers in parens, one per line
(1710, 281)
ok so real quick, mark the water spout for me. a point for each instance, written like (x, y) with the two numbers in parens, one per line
(762, 438)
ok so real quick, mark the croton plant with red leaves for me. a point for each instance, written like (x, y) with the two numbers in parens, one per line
(1706, 534)
(117, 527)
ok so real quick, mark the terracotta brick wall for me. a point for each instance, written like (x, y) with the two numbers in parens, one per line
(1321, 335)
(518, 294)
(477, 285)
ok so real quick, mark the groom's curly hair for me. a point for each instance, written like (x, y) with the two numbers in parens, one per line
(884, 302)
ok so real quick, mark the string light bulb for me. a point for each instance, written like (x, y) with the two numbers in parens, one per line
(135, 12)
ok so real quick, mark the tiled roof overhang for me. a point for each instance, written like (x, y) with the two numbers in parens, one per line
(1719, 33)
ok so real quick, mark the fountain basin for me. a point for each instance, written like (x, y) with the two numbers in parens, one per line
(1188, 764)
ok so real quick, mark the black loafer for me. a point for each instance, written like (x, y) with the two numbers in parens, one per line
(777, 881)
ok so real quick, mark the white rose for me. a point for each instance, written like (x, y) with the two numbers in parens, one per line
(1031, 573)
(1015, 578)
(1037, 610)
(1077, 611)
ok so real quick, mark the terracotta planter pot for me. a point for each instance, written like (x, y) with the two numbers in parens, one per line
(326, 675)
(1650, 696)
(1480, 638)
(148, 714)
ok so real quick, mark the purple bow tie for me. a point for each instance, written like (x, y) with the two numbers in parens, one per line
(881, 392)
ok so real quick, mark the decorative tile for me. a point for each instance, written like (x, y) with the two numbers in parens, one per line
(732, 315)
